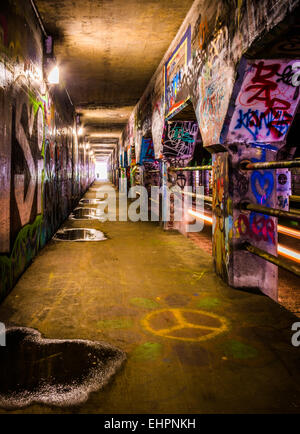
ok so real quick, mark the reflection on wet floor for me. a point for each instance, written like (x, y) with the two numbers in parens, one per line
(55, 372)
(79, 234)
(90, 201)
(87, 214)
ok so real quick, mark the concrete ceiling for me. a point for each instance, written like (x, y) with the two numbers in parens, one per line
(107, 51)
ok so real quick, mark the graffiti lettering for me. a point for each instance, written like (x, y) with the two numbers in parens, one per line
(266, 102)
(180, 140)
(257, 226)
(265, 87)
(275, 122)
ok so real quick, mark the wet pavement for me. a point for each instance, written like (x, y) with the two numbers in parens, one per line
(51, 371)
(85, 213)
(79, 234)
(193, 344)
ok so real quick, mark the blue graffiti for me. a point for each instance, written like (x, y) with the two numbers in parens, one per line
(266, 183)
(147, 150)
(271, 121)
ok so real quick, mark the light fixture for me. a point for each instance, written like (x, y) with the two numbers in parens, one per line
(80, 131)
(53, 77)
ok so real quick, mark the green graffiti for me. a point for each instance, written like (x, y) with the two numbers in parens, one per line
(147, 351)
(239, 350)
(208, 302)
(119, 323)
(30, 238)
(36, 104)
(26, 246)
(146, 303)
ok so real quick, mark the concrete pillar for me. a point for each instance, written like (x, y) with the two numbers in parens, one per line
(232, 225)
(260, 113)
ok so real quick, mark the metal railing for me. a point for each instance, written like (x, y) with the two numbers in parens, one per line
(274, 212)
(270, 165)
(271, 258)
(189, 169)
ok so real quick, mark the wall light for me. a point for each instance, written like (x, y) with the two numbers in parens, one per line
(53, 77)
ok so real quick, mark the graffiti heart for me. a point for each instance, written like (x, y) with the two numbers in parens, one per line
(264, 181)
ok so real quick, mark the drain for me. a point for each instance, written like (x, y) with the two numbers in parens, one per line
(51, 371)
(87, 214)
(79, 234)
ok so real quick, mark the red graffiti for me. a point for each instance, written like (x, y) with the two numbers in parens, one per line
(259, 227)
(264, 86)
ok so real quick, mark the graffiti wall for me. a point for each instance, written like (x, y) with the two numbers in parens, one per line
(174, 71)
(179, 140)
(222, 221)
(40, 170)
(266, 103)
(235, 61)
(202, 64)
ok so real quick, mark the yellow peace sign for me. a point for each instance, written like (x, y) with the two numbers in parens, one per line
(185, 324)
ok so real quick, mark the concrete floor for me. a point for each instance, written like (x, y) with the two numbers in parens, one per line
(194, 345)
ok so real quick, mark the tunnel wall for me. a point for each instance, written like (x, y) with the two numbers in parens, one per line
(232, 61)
(201, 65)
(42, 173)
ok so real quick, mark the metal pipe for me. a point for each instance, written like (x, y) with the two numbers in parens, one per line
(294, 198)
(198, 196)
(270, 165)
(39, 18)
(189, 169)
(271, 211)
(271, 258)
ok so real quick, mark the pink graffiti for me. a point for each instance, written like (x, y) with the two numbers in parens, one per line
(259, 227)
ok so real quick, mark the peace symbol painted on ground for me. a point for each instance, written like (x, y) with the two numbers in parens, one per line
(185, 324)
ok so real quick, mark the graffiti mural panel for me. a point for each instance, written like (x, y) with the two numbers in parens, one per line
(174, 69)
(179, 140)
(266, 102)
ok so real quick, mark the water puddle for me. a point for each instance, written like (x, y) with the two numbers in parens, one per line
(87, 214)
(51, 371)
(79, 234)
(90, 201)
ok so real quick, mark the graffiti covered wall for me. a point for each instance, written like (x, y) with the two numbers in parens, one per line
(40, 169)
(201, 64)
(223, 65)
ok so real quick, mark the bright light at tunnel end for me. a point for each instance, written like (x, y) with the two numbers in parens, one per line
(53, 77)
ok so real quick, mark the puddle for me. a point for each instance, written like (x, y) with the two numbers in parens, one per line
(79, 234)
(51, 371)
(87, 214)
(91, 201)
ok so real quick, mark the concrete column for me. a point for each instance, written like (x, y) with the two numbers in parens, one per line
(232, 225)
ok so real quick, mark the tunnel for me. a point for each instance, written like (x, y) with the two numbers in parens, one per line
(150, 208)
